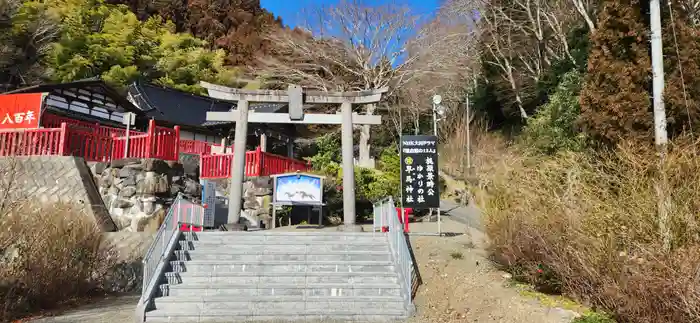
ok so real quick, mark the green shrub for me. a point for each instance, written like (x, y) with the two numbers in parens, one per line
(552, 129)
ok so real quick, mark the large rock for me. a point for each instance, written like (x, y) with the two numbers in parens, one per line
(155, 165)
(135, 190)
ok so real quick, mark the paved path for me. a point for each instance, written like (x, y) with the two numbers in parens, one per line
(469, 215)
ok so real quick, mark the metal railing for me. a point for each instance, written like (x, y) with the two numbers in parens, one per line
(386, 216)
(182, 211)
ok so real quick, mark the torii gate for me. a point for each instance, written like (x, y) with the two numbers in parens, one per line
(296, 97)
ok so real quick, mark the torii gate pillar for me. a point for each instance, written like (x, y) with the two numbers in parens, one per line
(295, 97)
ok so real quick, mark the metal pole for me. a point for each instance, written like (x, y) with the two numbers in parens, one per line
(435, 132)
(126, 145)
(469, 142)
(348, 168)
(660, 134)
(274, 216)
(238, 164)
(657, 63)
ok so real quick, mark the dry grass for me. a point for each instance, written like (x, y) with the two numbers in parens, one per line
(585, 224)
(49, 254)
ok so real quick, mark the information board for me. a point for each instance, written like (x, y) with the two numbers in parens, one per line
(419, 172)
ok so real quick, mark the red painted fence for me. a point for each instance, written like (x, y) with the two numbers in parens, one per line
(94, 142)
(257, 163)
(49, 120)
(195, 147)
(33, 142)
(80, 141)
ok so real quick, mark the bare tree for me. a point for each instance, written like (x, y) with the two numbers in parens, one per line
(445, 55)
(354, 46)
(586, 9)
(501, 48)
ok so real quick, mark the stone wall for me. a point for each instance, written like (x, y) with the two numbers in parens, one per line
(135, 191)
(53, 179)
(257, 199)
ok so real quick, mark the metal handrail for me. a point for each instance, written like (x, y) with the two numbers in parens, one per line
(386, 216)
(162, 247)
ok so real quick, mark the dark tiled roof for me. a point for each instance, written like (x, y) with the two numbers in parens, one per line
(94, 85)
(174, 106)
(183, 108)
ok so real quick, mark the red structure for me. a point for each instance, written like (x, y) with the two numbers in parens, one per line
(83, 119)
(74, 140)
(257, 163)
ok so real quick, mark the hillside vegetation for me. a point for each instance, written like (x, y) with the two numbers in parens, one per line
(554, 96)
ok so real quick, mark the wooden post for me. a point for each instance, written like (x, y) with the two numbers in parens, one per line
(258, 161)
(177, 142)
(263, 142)
(62, 141)
(150, 138)
(114, 146)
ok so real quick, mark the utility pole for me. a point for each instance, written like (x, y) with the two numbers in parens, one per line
(660, 134)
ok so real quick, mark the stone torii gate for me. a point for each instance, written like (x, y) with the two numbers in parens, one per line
(296, 98)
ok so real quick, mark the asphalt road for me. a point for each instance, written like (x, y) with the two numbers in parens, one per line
(469, 215)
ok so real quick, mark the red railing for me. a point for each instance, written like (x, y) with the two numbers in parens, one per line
(257, 163)
(158, 142)
(33, 142)
(49, 120)
(195, 147)
(86, 140)
(89, 145)
(165, 142)
(272, 164)
(138, 147)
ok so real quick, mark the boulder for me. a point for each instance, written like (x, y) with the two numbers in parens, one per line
(127, 172)
(127, 192)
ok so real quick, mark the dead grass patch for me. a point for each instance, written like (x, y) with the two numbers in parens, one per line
(49, 254)
(585, 224)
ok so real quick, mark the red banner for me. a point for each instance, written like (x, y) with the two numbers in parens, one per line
(20, 111)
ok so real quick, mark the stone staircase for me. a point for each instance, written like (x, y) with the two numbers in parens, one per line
(281, 277)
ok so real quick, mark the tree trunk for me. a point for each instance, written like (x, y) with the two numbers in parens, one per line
(364, 156)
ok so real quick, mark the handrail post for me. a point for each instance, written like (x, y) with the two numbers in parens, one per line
(62, 139)
(177, 142)
(259, 160)
(150, 142)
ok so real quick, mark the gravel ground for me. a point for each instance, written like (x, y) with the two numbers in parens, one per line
(459, 285)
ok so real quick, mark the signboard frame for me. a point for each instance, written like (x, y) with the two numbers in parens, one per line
(420, 179)
(317, 203)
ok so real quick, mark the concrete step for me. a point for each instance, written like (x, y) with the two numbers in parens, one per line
(308, 316)
(282, 238)
(271, 303)
(221, 266)
(264, 256)
(283, 247)
(289, 278)
(285, 233)
(309, 290)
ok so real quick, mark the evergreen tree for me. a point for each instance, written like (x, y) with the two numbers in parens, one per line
(682, 72)
(615, 102)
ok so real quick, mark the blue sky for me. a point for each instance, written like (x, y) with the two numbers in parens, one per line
(291, 10)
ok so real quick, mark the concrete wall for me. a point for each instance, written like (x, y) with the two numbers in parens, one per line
(55, 179)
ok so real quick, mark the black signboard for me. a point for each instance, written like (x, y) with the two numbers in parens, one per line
(419, 172)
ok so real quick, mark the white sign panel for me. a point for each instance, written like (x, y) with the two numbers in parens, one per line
(298, 189)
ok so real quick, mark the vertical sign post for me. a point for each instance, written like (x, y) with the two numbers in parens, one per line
(420, 182)
(129, 119)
